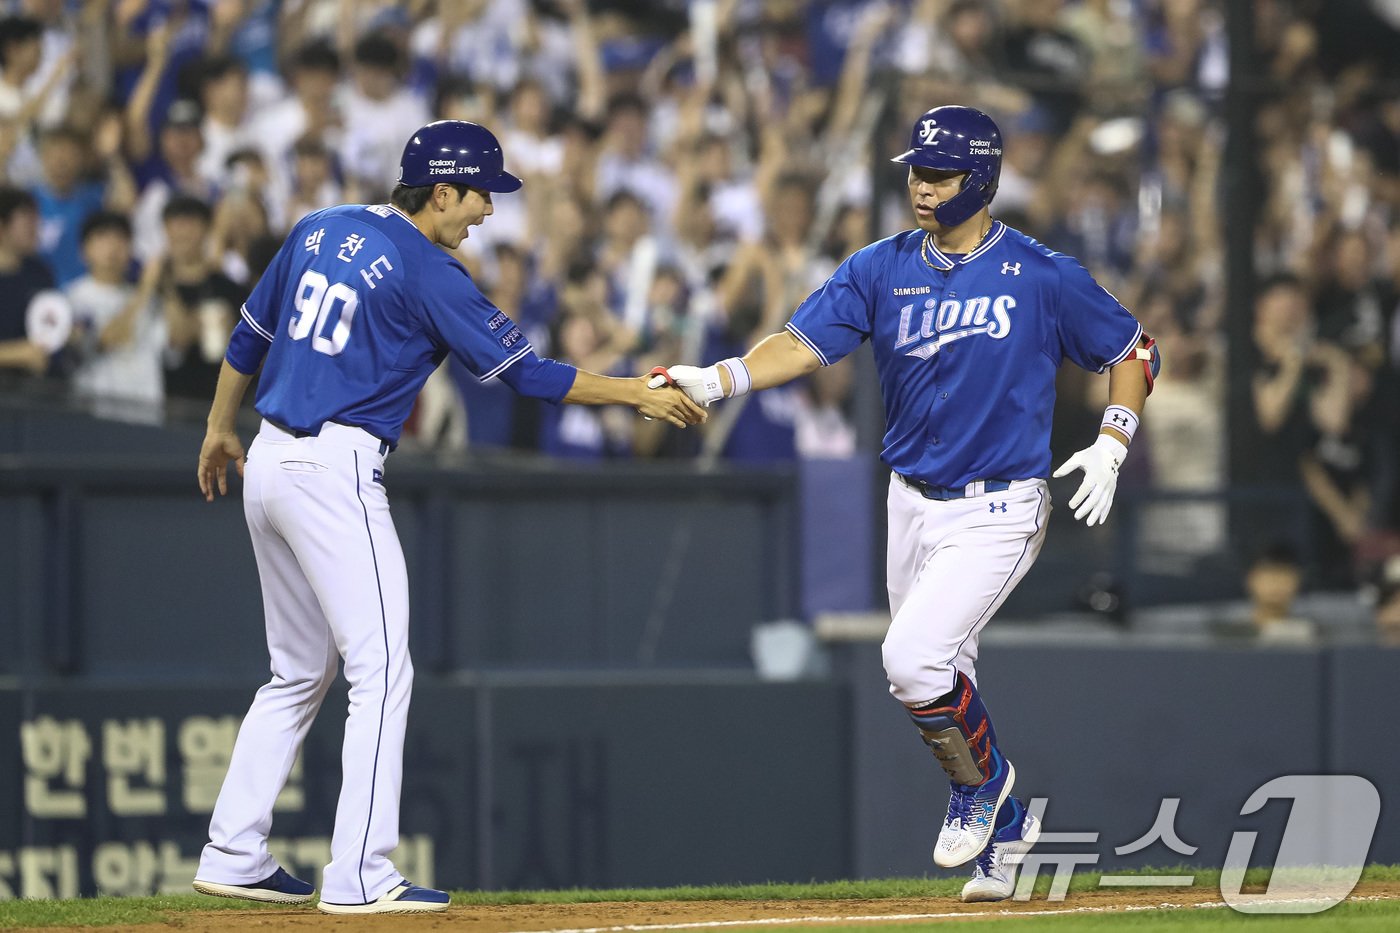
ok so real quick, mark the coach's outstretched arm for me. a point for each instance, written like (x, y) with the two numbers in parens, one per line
(778, 358)
(1129, 384)
(589, 388)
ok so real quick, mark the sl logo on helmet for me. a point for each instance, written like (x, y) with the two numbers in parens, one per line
(926, 129)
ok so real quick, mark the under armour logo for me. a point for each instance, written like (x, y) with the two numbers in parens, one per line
(1119, 419)
(993, 506)
(1013, 267)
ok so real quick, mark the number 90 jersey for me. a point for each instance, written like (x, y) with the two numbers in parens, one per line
(967, 347)
(356, 311)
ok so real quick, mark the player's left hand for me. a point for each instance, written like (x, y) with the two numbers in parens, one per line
(1100, 465)
(218, 449)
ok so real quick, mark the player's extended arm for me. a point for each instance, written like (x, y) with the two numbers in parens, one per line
(1128, 385)
(776, 359)
(592, 389)
(221, 442)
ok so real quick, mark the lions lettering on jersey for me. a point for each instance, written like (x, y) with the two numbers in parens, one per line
(953, 319)
(994, 324)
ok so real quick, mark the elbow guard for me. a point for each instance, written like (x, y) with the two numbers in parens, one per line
(1151, 358)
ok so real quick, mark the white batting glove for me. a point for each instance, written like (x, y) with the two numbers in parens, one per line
(1100, 465)
(700, 383)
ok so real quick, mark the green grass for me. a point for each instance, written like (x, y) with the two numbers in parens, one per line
(1361, 917)
(1345, 918)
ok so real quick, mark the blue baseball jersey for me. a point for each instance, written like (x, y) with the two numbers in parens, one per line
(357, 310)
(967, 347)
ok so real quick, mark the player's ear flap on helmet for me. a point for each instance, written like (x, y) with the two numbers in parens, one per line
(963, 139)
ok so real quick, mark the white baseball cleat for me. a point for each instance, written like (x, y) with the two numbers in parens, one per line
(407, 898)
(972, 816)
(993, 874)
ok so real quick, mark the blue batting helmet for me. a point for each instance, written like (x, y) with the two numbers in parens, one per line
(958, 139)
(457, 152)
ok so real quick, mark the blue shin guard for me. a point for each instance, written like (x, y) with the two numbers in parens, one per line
(959, 730)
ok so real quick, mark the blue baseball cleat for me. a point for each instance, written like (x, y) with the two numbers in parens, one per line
(994, 871)
(407, 898)
(277, 888)
(972, 815)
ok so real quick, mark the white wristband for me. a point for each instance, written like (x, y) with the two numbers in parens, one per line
(1121, 419)
(739, 380)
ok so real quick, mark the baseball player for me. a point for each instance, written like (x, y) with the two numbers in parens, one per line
(357, 309)
(969, 320)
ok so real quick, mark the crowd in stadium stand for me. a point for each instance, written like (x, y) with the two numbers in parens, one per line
(692, 171)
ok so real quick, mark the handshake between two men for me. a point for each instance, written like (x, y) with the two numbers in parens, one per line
(700, 385)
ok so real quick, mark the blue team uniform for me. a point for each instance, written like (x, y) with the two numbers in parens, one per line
(357, 310)
(967, 347)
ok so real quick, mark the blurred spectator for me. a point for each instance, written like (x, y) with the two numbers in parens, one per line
(768, 279)
(1044, 59)
(72, 49)
(66, 197)
(1340, 463)
(171, 171)
(241, 217)
(626, 242)
(1349, 299)
(200, 303)
(481, 39)
(32, 93)
(185, 31)
(23, 275)
(313, 181)
(252, 26)
(228, 126)
(1185, 42)
(1272, 584)
(311, 111)
(955, 37)
(298, 135)
(626, 161)
(823, 424)
(379, 114)
(117, 327)
(563, 433)
(1283, 338)
(535, 150)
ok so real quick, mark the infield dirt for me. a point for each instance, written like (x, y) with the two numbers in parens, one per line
(617, 914)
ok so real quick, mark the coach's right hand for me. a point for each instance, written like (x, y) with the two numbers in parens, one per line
(218, 449)
(668, 402)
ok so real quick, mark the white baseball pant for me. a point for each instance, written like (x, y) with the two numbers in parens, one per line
(334, 586)
(949, 567)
